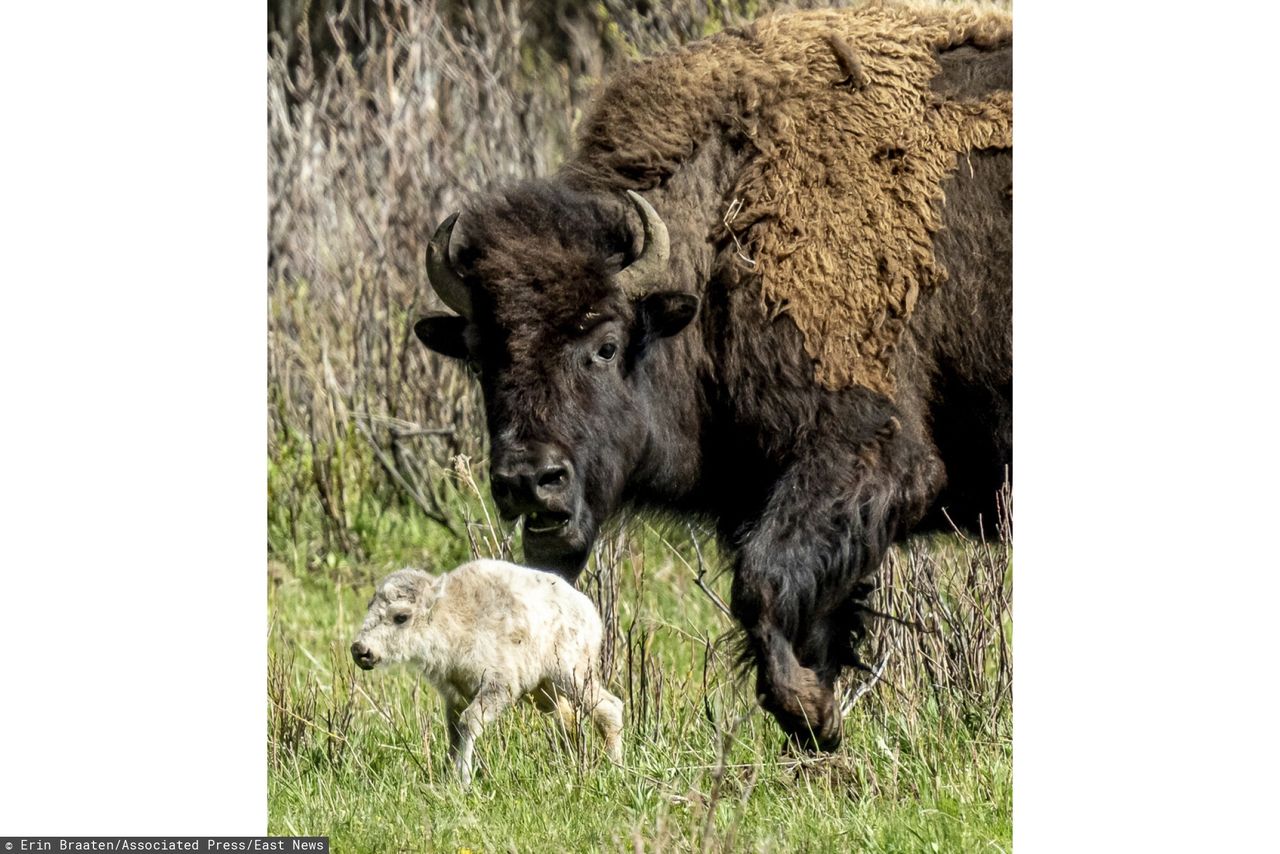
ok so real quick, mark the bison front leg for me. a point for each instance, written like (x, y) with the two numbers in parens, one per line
(808, 562)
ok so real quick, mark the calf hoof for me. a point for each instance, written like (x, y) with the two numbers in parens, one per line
(806, 709)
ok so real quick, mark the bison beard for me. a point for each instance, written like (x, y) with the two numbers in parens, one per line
(628, 357)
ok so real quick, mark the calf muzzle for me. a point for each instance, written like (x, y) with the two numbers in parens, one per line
(364, 657)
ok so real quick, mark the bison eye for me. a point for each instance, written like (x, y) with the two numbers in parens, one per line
(401, 619)
(607, 352)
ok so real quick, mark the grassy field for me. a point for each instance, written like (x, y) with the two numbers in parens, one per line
(370, 146)
(360, 757)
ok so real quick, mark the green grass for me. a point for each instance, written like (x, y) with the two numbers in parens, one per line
(360, 757)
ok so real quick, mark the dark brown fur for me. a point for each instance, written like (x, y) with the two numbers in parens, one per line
(724, 418)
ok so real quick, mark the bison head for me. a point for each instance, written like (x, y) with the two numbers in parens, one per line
(562, 297)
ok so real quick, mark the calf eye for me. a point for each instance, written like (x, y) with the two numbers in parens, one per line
(401, 618)
(607, 352)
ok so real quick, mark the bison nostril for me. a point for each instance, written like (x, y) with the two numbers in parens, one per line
(553, 478)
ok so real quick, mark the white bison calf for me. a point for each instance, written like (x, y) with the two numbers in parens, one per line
(486, 634)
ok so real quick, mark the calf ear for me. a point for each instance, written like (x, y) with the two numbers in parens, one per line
(444, 333)
(434, 589)
(667, 312)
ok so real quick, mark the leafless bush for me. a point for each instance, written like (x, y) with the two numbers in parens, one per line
(945, 631)
(381, 116)
(292, 712)
(601, 582)
(340, 711)
(365, 157)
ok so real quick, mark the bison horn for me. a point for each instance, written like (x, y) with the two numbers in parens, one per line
(650, 267)
(447, 284)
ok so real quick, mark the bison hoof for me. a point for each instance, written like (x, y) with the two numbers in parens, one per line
(806, 709)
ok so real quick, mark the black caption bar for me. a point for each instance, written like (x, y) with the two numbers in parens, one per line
(222, 844)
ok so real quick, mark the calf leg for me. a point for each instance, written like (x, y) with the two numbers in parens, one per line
(454, 703)
(809, 559)
(591, 699)
(453, 719)
(605, 710)
(491, 701)
(549, 700)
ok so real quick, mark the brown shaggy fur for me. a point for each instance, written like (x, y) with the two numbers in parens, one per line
(845, 147)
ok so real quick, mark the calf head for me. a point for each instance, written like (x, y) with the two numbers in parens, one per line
(396, 611)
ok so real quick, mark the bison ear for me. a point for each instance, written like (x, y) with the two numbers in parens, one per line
(667, 312)
(444, 333)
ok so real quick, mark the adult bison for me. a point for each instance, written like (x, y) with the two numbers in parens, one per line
(771, 288)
